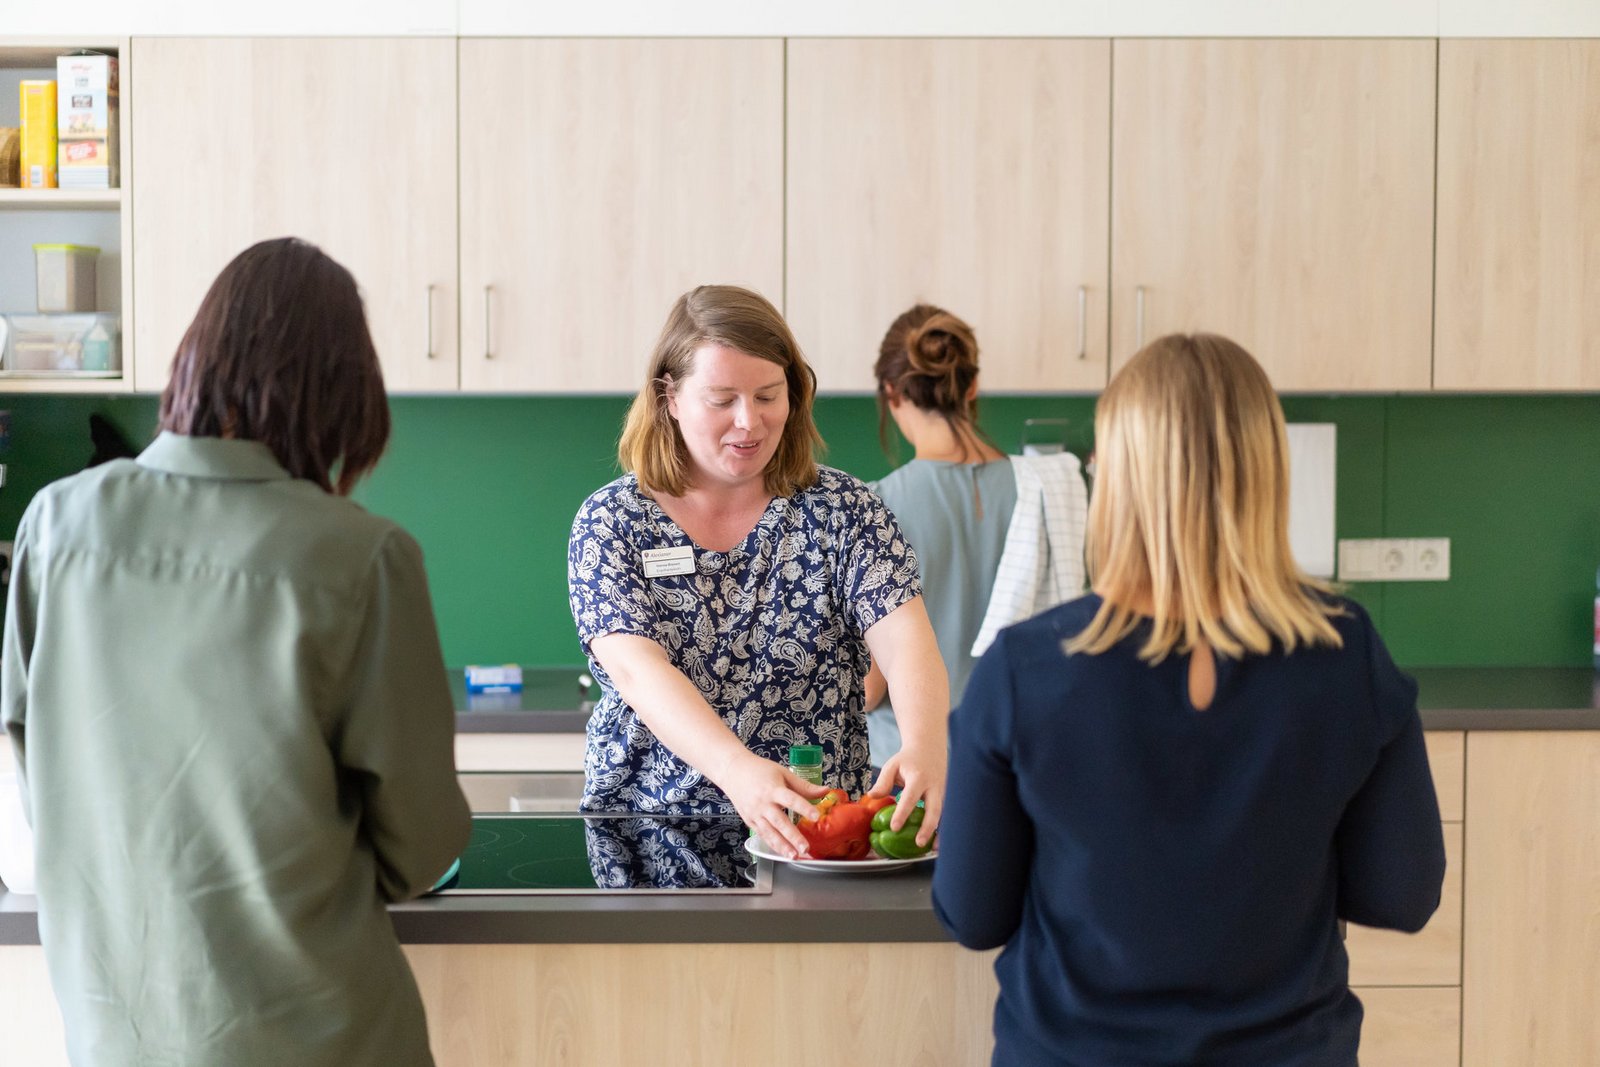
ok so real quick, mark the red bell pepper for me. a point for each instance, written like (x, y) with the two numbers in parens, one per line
(842, 830)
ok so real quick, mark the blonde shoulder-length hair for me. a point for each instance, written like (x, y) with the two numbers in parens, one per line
(652, 446)
(1190, 512)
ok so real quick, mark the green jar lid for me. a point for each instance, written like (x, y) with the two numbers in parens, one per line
(805, 755)
(91, 249)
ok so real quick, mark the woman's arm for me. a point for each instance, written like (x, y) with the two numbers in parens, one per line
(986, 849)
(904, 648)
(762, 792)
(877, 687)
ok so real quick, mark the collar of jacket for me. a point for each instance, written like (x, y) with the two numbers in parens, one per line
(212, 457)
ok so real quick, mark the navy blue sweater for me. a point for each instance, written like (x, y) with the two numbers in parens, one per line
(1166, 881)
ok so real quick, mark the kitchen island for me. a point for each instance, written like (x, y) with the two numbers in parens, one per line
(1502, 974)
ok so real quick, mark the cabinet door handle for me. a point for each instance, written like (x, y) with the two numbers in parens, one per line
(431, 288)
(1138, 317)
(488, 350)
(1083, 322)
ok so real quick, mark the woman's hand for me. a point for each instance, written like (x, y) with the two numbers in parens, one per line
(920, 772)
(764, 794)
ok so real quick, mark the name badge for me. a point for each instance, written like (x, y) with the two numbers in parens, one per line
(665, 562)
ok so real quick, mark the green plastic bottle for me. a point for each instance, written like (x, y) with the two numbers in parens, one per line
(806, 762)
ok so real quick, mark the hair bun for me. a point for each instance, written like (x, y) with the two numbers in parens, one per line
(938, 349)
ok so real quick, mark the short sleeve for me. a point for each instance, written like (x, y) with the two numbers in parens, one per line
(878, 567)
(605, 584)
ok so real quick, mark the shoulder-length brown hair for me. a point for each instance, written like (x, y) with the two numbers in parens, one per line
(652, 446)
(1190, 512)
(280, 353)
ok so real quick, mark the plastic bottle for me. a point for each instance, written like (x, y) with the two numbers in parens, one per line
(806, 760)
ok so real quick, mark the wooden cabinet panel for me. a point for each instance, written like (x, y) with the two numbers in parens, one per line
(1418, 1027)
(971, 174)
(347, 143)
(510, 1005)
(1447, 758)
(1519, 215)
(31, 1031)
(1279, 192)
(520, 752)
(1530, 980)
(1430, 957)
(600, 179)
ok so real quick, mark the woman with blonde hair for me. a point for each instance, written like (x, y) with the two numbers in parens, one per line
(727, 591)
(1165, 795)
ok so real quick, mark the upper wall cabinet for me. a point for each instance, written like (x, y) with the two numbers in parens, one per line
(971, 174)
(599, 181)
(1519, 215)
(347, 143)
(1279, 192)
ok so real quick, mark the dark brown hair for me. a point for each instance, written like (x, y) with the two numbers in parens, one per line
(929, 358)
(652, 446)
(279, 352)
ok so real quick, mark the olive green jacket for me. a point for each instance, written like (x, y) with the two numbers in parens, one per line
(224, 690)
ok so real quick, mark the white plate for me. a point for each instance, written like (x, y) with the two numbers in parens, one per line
(759, 849)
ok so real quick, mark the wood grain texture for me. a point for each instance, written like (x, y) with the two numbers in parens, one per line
(1430, 957)
(1447, 758)
(1518, 299)
(1418, 1027)
(705, 1005)
(971, 174)
(1530, 980)
(348, 143)
(601, 179)
(1279, 192)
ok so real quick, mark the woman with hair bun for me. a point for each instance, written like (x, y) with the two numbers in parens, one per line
(957, 502)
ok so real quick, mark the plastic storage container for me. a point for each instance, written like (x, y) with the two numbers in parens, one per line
(66, 277)
(85, 345)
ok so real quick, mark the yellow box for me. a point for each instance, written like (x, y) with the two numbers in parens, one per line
(38, 100)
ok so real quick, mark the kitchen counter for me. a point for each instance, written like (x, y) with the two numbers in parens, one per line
(559, 699)
(803, 907)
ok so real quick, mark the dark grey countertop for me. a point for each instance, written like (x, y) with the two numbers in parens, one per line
(803, 907)
(558, 700)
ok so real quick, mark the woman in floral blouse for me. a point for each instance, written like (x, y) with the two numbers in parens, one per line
(731, 594)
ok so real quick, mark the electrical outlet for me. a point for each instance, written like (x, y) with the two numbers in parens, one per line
(1394, 559)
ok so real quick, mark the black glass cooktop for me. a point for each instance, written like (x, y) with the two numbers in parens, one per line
(531, 853)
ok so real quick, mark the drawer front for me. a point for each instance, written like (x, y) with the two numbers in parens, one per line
(1447, 756)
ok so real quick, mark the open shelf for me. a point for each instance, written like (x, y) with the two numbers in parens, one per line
(60, 199)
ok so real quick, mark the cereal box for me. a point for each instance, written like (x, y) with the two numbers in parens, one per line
(87, 107)
(38, 99)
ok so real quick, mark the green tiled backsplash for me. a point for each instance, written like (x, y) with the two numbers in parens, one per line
(489, 486)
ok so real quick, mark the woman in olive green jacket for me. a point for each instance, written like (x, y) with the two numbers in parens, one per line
(223, 686)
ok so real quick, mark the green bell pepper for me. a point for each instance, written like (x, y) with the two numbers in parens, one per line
(898, 844)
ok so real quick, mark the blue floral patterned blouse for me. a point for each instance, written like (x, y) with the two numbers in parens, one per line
(772, 632)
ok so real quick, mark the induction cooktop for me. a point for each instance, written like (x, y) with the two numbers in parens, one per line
(563, 853)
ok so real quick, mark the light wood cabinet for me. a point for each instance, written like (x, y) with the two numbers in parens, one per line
(600, 179)
(971, 174)
(1530, 980)
(1279, 192)
(1411, 1027)
(348, 143)
(1518, 299)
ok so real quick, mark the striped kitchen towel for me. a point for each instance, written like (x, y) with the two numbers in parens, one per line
(1041, 564)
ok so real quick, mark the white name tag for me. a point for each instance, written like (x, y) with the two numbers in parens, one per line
(665, 562)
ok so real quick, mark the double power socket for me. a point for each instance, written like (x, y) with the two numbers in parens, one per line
(1394, 559)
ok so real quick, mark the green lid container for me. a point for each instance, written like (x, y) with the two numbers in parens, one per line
(805, 755)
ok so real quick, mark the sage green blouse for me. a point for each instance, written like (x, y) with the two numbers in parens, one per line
(227, 701)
